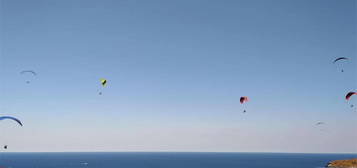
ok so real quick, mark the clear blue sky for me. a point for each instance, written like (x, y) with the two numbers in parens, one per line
(175, 72)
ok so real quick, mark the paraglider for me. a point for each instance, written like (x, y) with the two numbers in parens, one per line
(320, 125)
(103, 82)
(349, 94)
(339, 59)
(33, 73)
(11, 118)
(242, 100)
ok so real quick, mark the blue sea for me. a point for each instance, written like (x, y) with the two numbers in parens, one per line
(167, 160)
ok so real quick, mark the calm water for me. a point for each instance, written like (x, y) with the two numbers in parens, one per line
(167, 160)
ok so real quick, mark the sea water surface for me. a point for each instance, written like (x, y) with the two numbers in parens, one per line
(167, 160)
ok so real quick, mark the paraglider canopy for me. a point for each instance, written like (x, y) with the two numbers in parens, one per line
(243, 99)
(29, 71)
(349, 94)
(5, 146)
(103, 82)
(340, 58)
(11, 118)
(320, 123)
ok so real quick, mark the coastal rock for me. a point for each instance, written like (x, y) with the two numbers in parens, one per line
(350, 163)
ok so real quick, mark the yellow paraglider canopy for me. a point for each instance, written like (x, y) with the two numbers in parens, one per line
(103, 82)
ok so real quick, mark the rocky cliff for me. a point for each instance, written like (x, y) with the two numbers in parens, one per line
(350, 163)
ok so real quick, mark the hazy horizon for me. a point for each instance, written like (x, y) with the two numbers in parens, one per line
(175, 72)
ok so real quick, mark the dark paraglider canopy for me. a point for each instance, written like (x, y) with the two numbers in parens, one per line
(319, 123)
(340, 58)
(28, 71)
(5, 146)
(349, 94)
(11, 118)
(243, 99)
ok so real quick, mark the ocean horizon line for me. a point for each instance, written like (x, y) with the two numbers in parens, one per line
(198, 152)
